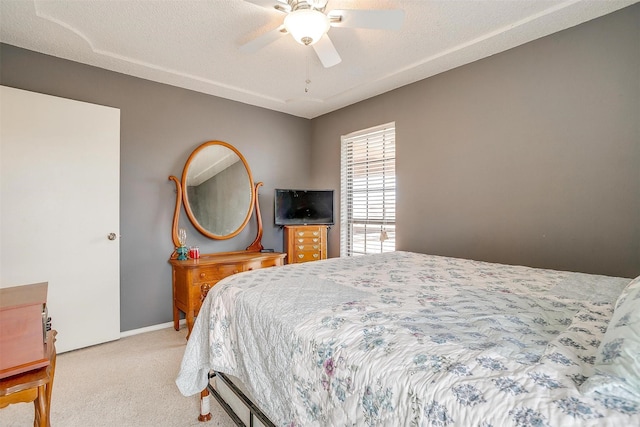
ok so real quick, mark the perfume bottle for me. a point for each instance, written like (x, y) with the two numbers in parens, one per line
(182, 249)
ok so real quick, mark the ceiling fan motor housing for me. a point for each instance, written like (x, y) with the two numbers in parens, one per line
(307, 4)
(306, 26)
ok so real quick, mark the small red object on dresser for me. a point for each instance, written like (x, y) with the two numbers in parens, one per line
(194, 252)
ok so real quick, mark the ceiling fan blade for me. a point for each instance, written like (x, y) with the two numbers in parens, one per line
(386, 19)
(261, 41)
(327, 52)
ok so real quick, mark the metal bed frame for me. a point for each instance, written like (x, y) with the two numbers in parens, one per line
(254, 411)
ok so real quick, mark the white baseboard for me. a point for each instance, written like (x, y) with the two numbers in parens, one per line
(150, 328)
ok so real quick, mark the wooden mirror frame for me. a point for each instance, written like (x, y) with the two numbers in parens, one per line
(181, 197)
(185, 196)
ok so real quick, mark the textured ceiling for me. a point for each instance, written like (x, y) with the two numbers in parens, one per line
(194, 44)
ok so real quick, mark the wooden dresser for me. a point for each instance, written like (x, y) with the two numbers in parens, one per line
(193, 278)
(305, 243)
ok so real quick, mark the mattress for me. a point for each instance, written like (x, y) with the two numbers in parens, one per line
(410, 339)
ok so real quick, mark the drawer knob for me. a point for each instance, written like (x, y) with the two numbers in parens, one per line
(300, 233)
(315, 233)
(300, 240)
(316, 255)
(315, 240)
(316, 246)
(202, 275)
(300, 256)
(301, 247)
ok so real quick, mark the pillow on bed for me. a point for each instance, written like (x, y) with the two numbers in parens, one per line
(617, 367)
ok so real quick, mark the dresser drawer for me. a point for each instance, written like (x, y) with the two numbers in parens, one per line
(307, 256)
(308, 232)
(308, 247)
(257, 264)
(307, 240)
(215, 273)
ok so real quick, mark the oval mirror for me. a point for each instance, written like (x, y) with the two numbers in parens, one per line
(217, 190)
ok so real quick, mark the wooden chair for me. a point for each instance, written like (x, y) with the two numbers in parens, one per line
(33, 386)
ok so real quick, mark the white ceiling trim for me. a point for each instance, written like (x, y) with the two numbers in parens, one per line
(194, 44)
(114, 55)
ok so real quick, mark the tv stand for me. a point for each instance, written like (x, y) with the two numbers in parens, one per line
(304, 243)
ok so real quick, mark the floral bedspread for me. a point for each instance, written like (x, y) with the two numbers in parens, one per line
(405, 339)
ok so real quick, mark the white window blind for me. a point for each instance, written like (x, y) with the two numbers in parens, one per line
(368, 191)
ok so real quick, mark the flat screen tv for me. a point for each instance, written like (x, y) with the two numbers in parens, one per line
(303, 207)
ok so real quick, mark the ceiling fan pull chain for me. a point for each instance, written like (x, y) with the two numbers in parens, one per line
(307, 81)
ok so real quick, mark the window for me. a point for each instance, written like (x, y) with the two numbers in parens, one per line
(368, 191)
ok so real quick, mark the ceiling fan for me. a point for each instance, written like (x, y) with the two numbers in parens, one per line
(308, 23)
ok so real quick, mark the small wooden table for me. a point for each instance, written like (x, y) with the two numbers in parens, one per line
(27, 352)
(33, 386)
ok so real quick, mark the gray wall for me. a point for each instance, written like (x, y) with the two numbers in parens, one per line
(160, 126)
(530, 157)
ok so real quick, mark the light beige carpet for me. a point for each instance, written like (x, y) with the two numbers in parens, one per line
(129, 382)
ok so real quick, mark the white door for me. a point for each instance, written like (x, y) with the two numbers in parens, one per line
(59, 175)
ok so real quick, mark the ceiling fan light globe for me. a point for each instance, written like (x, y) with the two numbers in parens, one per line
(306, 26)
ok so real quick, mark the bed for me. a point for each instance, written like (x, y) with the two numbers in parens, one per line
(406, 339)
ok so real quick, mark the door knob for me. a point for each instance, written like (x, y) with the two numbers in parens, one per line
(111, 236)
